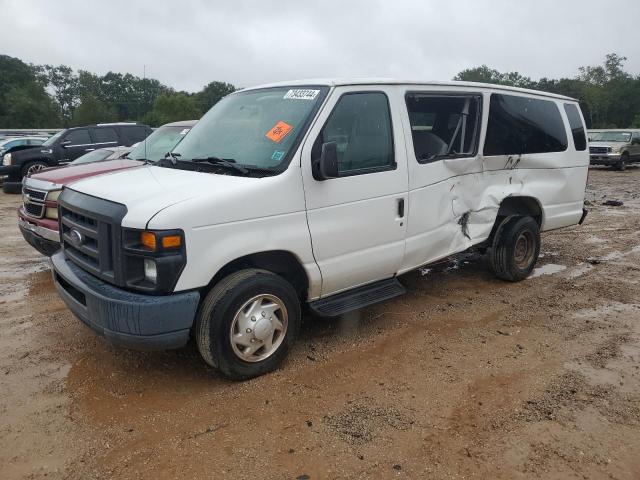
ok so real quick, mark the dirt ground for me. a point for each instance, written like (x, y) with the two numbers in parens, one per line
(464, 377)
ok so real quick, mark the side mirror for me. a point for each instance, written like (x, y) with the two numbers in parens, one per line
(327, 165)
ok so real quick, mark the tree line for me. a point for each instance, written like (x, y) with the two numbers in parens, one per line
(609, 96)
(41, 96)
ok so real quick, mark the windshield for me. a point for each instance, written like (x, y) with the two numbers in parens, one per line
(158, 144)
(51, 140)
(256, 128)
(95, 156)
(613, 137)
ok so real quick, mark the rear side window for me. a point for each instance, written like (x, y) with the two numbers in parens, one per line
(443, 126)
(104, 135)
(135, 134)
(360, 125)
(78, 137)
(577, 128)
(520, 125)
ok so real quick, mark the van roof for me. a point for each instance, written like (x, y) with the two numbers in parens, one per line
(335, 82)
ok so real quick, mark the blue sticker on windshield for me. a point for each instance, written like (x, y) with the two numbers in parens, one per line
(277, 155)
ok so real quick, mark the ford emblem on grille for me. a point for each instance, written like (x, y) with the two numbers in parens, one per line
(76, 238)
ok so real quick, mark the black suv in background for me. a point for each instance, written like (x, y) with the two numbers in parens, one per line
(66, 146)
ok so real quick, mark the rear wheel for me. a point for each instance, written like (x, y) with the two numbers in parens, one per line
(33, 167)
(247, 323)
(515, 248)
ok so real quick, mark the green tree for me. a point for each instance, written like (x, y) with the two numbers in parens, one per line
(64, 83)
(172, 108)
(212, 94)
(485, 74)
(29, 106)
(24, 101)
(92, 110)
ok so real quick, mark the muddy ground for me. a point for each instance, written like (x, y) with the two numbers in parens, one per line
(464, 377)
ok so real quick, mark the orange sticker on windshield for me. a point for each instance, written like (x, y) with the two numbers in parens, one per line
(279, 131)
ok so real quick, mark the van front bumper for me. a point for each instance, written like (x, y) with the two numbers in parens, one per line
(131, 320)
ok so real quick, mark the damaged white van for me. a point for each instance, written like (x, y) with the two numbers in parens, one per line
(317, 193)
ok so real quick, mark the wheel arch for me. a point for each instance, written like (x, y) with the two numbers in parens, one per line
(518, 206)
(280, 262)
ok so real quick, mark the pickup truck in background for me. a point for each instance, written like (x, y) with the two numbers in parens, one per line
(38, 215)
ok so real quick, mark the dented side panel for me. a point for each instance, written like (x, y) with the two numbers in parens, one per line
(453, 204)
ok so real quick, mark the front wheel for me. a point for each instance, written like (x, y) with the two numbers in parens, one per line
(33, 167)
(624, 161)
(515, 248)
(247, 323)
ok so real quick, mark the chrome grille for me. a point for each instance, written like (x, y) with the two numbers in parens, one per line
(598, 150)
(33, 201)
(34, 209)
(34, 194)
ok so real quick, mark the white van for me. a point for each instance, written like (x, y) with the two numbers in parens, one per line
(317, 193)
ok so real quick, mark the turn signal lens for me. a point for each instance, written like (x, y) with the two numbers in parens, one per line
(148, 239)
(172, 241)
(51, 212)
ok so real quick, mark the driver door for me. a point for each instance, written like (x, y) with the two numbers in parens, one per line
(357, 221)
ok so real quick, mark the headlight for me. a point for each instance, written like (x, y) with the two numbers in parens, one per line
(53, 195)
(150, 270)
(615, 149)
(153, 259)
(6, 160)
(51, 212)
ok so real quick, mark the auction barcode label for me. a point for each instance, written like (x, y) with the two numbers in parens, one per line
(301, 94)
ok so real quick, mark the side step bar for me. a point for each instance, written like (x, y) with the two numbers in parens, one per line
(360, 297)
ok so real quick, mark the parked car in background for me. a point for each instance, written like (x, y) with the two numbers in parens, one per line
(100, 155)
(315, 194)
(615, 148)
(161, 141)
(38, 215)
(10, 145)
(65, 146)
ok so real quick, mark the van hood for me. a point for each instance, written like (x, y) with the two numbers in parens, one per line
(147, 190)
(72, 173)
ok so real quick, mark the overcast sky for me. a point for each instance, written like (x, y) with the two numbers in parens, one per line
(188, 43)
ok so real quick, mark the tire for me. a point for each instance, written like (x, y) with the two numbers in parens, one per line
(225, 313)
(510, 258)
(32, 167)
(624, 161)
(12, 187)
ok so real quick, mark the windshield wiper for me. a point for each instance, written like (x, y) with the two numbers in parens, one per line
(225, 162)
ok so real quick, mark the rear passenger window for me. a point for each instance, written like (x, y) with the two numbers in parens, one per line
(136, 134)
(360, 125)
(104, 135)
(443, 126)
(519, 125)
(577, 128)
(78, 137)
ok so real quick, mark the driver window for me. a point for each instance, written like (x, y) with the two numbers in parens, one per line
(443, 126)
(360, 126)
